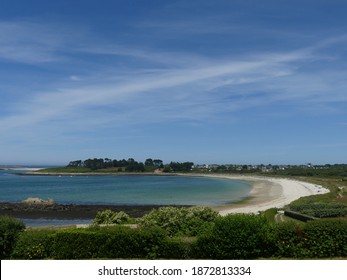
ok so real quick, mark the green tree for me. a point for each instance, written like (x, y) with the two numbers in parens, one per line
(149, 162)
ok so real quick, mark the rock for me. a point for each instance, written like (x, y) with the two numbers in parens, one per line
(37, 200)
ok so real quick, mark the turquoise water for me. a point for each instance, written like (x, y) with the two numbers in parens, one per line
(123, 190)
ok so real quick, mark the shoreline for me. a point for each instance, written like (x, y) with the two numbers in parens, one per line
(69, 174)
(267, 192)
(69, 211)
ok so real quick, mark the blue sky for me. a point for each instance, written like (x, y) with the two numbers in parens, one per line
(223, 81)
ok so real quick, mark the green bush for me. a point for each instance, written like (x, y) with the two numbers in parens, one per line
(325, 238)
(132, 243)
(315, 239)
(181, 220)
(177, 248)
(114, 242)
(287, 238)
(110, 217)
(77, 244)
(319, 209)
(298, 216)
(10, 229)
(34, 245)
(238, 236)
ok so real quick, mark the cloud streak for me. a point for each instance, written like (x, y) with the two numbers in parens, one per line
(125, 87)
(183, 93)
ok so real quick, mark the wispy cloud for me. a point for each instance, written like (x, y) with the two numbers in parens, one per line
(147, 85)
(35, 42)
(27, 42)
(179, 91)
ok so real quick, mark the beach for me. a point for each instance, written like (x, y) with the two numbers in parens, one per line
(268, 193)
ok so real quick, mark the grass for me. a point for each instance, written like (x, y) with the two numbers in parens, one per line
(65, 170)
(150, 169)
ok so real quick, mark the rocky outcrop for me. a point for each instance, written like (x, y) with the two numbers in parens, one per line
(37, 200)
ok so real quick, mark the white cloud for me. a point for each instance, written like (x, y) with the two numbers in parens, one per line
(34, 42)
(182, 90)
(74, 78)
(159, 86)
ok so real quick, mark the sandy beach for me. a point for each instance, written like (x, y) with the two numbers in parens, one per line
(268, 193)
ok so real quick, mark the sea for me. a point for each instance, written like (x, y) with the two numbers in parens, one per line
(120, 190)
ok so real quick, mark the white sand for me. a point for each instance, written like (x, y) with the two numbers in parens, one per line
(269, 193)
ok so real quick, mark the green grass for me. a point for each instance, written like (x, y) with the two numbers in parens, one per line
(270, 215)
(336, 198)
(65, 170)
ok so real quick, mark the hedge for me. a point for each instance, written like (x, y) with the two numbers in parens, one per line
(325, 238)
(113, 242)
(315, 239)
(238, 236)
(298, 216)
(320, 209)
(10, 229)
(34, 245)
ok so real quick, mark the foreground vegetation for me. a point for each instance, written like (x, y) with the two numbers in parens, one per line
(179, 233)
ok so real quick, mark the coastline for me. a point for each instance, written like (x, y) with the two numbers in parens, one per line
(267, 192)
(68, 211)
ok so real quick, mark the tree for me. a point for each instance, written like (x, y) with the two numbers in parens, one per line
(149, 162)
(158, 163)
(75, 163)
(185, 166)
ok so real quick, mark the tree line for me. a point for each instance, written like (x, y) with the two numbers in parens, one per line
(131, 165)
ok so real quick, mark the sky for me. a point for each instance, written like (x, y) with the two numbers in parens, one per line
(222, 81)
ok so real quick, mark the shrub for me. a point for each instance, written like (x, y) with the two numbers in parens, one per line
(77, 244)
(319, 209)
(298, 216)
(287, 238)
(180, 220)
(315, 239)
(132, 243)
(325, 238)
(238, 236)
(34, 245)
(110, 217)
(177, 248)
(10, 229)
(113, 242)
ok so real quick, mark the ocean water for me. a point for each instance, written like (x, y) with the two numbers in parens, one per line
(122, 190)
(118, 190)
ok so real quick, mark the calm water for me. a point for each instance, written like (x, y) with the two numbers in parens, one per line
(122, 190)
